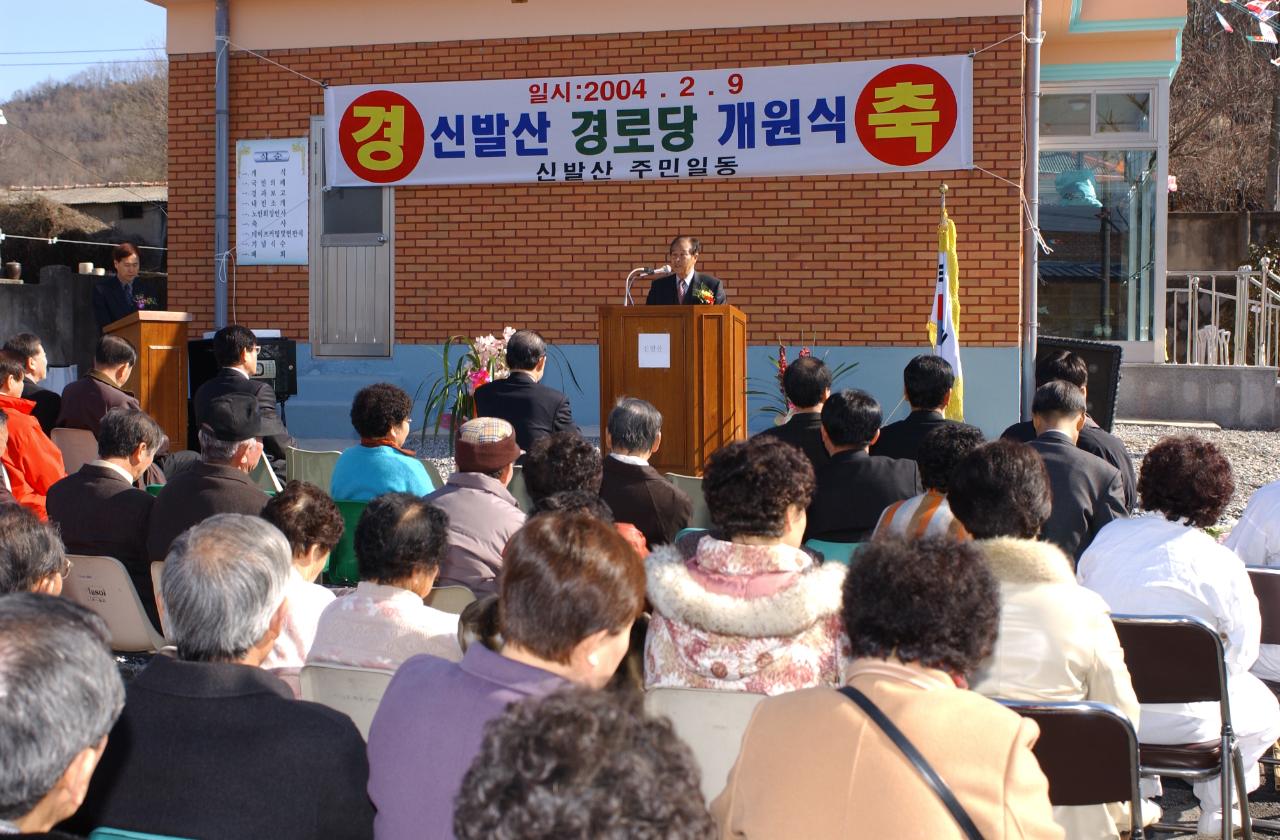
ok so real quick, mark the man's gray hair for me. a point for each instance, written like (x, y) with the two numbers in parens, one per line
(634, 425)
(214, 451)
(223, 581)
(60, 690)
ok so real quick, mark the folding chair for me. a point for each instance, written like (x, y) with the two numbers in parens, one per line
(433, 472)
(1179, 659)
(264, 478)
(356, 692)
(311, 466)
(157, 569)
(692, 486)
(1089, 754)
(342, 560)
(1266, 585)
(450, 599)
(102, 584)
(78, 447)
(711, 722)
(103, 833)
(834, 552)
(516, 488)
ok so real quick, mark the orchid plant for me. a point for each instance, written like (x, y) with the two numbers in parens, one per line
(776, 402)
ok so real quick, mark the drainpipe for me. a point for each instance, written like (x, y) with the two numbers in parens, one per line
(1031, 188)
(221, 33)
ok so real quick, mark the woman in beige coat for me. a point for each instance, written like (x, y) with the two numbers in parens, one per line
(920, 617)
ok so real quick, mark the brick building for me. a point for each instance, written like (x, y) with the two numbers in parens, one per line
(842, 262)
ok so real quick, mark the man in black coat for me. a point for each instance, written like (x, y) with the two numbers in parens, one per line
(117, 295)
(1087, 491)
(30, 350)
(684, 285)
(236, 350)
(534, 410)
(635, 491)
(210, 744)
(927, 381)
(855, 487)
(807, 384)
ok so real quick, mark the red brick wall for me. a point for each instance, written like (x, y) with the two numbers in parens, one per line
(833, 259)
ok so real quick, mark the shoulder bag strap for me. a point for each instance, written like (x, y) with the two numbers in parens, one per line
(913, 755)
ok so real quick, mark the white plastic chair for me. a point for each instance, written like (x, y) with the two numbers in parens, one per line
(264, 478)
(78, 447)
(692, 486)
(711, 723)
(315, 467)
(356, 692)
(450, 599)
(102, 584)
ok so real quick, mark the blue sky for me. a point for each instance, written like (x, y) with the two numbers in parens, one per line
(28, 26)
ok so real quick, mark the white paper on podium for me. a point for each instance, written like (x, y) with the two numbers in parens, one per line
(655, 350)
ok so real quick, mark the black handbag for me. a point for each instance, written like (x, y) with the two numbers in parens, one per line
(913, 755)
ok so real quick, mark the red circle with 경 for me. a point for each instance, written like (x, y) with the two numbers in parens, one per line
(896, 136)
(390, 146)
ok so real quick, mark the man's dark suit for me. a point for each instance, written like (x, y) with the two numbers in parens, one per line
(1087, 493)
(48, 404)
(664, 290)
(804, 432)
(902, 439)
(533, 409)
(193, 496)
(1096, 441)
(99, 512)
(640, 495)
(220, 750)
(275, 437)
(110, 303)
(87, 400)
(853, 490)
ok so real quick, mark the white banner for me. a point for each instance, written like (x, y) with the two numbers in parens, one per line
(271, 202)
(814, 119)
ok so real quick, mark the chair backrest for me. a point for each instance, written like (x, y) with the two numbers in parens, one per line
(433, 473)
(102, 584)
(517, 488)
(157, 569)
(103, 833)
(1266, 585)
(834, 552)
(692, 486)
(1173, 659)
(78, 447)
(311, 466)
(1088, 752)
(711, 723)
(342, 560)
(356, 692)
(450, 599)
(264, 478)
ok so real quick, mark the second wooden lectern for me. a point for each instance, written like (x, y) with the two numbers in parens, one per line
(159, 378)
(691, 363)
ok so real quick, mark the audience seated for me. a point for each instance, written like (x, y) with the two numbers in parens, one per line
(927, 381)
(31, 555)
(6, 494)
(581, 764)
(570, 590)
(211, 745)
(220, 483)
(534, 410)
(921, 617)
(400, 541)
(62, 693)
(1069, 367)
(380, 463)
(1256, 540)
(312, 524)
(1163, 564)
(31, 462)
(29, 349)
(635, 491)
(807, 384)
(89, 398)
(99, 511)
(482, 513)
(750, 611)
(855, 487)
(584, 501)
(929, 514)
(562, 461)
(1056, 641)
(236, 350)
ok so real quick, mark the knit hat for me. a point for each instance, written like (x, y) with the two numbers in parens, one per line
(233, 417)
(485, 444)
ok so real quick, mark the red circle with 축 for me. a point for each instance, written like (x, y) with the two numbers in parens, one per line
(918, 117)
(381, 136)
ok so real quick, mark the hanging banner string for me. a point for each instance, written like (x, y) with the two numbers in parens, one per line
(55, 240)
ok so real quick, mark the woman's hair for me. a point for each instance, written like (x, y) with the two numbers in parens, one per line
(574, 501)
(478, 624)
(306, 516)
(566, 576)
(1186, 477)
(559, 462)
(377, 408)
(932, 601)
(750, 484)
(1001, 490)
(123, 251)
(399, 534)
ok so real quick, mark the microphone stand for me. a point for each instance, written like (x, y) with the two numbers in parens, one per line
(635, 272)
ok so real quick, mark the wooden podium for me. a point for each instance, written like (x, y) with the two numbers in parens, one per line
(691, 363)
(159, 379)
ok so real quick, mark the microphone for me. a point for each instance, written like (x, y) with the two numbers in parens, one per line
(641, 272)
(649, 272)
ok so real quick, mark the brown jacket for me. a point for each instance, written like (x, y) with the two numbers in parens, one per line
(813, 765)
(87, 400)
(193, 496)
(640, 495)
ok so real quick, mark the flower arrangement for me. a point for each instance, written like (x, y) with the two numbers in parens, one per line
(777, 403)
(144, 302)
(702, 294)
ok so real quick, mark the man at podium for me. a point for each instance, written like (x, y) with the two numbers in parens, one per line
(683, 284)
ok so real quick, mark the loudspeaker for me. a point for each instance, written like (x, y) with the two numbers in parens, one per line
(1104, 372)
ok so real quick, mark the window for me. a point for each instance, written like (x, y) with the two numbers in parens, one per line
(1095, 113)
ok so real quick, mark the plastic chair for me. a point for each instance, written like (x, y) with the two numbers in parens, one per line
(834, 552)
(342, 560)
(309, 465)
(450, 599)
(78, 447)
(692, 486)
(433, 473)
(157, 569)
(265, 478)
(1266, 585)
(711, 723)
(103, 833)
(1179, 659)
(102, 584)
(356, 692)
(1089, 754)
(154, 489)
(516, 488)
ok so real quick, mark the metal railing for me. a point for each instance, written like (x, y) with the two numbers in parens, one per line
(1223, 317)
